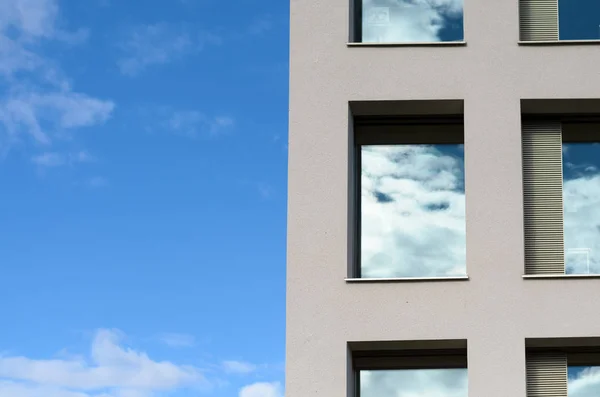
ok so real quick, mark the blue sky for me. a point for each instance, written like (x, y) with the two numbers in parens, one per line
(143, 173)
(143, 166)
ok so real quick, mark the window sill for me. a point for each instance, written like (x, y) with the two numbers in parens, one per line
(560, 42)
(411, 44)
(405, 279)
(559, 276)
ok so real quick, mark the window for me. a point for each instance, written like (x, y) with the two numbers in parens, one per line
(408, 21)
(555, 20)
(562, 195)
(568, 367)
(581, 201)
(406, 371)
(411, 198)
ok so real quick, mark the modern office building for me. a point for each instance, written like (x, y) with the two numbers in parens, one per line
(444, 199)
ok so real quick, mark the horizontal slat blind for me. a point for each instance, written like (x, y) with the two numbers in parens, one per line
(546, 375)
(538, 20)
(543, 198)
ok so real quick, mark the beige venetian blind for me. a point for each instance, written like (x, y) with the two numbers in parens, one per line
(543, 198)
(546, 375)
(538, 20)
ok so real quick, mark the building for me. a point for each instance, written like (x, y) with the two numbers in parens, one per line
(440, 241)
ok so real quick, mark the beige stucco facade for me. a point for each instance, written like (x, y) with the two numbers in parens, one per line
(496, 308)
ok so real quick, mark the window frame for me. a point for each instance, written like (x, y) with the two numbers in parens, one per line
(356, 32)
(570, 352)
(394, 130)
(356, 21)
(406, 355)
(530, 26)
(574, 128)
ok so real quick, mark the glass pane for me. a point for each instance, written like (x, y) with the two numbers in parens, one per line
(412, 383)
(581, 195)
(402, 21)
(412, 211)
(579, 19)
(584, 382)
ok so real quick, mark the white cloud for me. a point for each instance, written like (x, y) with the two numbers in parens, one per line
(586, 383)
(262, 389)
(412, 212)
(407, 20)
(111, 370)
(413, 383)
(73, 110)
(38, 99)
(238, 367)
(161, 43)
(177, 340)
(33, 18)
(156, 44)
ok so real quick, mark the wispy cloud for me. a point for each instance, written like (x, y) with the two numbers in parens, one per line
(177, 340)
(39, 101)
(110, 370)
(81, 156)
(97, 182)
(159, 44)
(152, 45)
(262, 389)
(238, 367)
(194, 123)
(185, 122)
(55, 159)
(263, 189)
(261, 25)
(49, 159)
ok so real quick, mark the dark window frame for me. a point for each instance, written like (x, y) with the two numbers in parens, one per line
(406, 355)
(575, 128)
(356, 9)
(577, 356)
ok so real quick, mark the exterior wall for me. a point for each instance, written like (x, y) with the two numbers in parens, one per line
(496, 309)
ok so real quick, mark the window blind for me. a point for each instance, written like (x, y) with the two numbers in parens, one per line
(546, 375)
(543, 198)
(538, 20)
